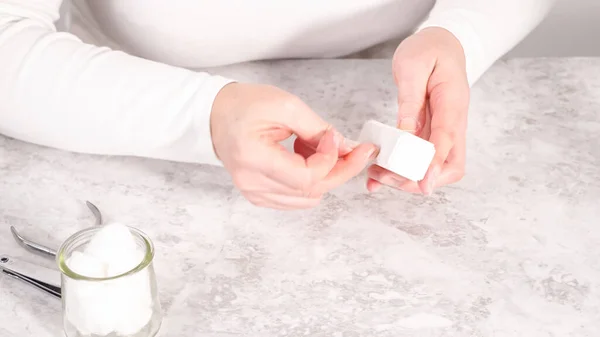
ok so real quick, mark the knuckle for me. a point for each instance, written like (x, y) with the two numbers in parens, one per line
(452, 135)
(254, 199)
(316, 193)
(291, 103)
(446, 134)
(259, 203)
(410, 103)
(288, 107)
(308, 192)
(311, 203)
(449, 94)
(413, 63)
(314, 202)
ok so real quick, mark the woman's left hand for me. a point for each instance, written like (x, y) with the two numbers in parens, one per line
(433, 99)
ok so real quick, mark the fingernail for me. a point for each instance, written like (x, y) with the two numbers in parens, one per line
(327, 142)
(337, 139)
(351, 143)
(408, 124)
(372, 153)
(373, 185)
(431, 183)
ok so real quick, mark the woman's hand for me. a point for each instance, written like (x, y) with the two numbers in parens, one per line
(248, 122)
(433, 100)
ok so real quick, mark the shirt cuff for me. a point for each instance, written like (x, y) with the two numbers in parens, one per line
(459, 23)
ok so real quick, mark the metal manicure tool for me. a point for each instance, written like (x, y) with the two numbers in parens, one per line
(43, 278)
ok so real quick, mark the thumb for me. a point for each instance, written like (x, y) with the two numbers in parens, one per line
(325, 156)
(300, 172)
(310, 129)
(412, 92)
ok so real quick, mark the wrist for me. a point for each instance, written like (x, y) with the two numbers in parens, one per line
(221, 110)
(468, 38)
(447, 41)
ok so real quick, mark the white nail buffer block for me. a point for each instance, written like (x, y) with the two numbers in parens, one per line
(399, 151)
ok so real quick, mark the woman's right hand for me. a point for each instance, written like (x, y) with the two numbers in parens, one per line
(249, 121)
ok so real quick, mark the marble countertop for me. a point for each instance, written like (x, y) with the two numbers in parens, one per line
(512, 250)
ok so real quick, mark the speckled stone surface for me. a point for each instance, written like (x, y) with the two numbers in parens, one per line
(512, 250)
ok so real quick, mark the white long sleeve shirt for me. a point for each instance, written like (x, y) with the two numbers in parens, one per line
(124, 84)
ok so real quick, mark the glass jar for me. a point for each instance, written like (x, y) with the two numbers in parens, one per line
(123, 305)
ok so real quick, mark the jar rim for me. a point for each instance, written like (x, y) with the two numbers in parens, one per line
(64, 268)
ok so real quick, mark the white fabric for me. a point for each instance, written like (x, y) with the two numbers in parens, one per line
(58, 89)
(487, 29)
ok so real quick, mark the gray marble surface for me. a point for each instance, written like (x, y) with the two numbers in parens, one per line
(512, 250)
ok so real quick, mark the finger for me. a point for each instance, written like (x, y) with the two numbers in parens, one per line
(308, 148)
(310, 127)
(454, 168)
(283, 202)
(373, 185)
(410, 186)
(450, 174)
(448, 112)
(345, 145)
(347, 167)
(443, 144)
(391, 179)
(299, 173)
(426, 130)
(411, 79)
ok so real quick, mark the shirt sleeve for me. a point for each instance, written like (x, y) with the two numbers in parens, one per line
(487, 29)
(57, 91)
